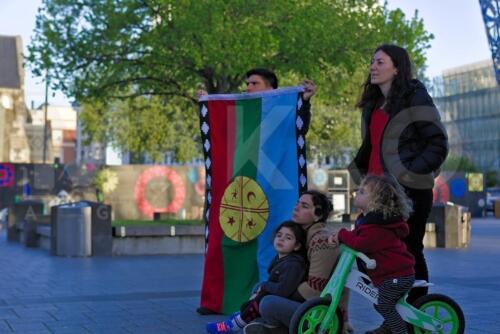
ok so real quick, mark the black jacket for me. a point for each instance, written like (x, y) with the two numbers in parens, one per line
(414, 142)
(285, 275)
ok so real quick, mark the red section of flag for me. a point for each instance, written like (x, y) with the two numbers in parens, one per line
(222, 121)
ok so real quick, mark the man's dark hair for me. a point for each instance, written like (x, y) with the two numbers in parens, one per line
(265, 74)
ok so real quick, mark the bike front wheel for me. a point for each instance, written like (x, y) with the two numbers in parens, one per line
(443, 308)
(308, 317)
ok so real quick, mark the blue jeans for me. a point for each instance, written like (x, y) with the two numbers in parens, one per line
(277, 311)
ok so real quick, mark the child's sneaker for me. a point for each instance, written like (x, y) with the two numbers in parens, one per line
(221, 327)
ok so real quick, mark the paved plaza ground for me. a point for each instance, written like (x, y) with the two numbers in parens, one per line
(40, 293)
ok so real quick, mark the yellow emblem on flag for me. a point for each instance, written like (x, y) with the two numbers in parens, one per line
(244, 210)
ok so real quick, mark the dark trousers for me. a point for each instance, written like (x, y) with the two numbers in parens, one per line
(389, 292)
(422, 205)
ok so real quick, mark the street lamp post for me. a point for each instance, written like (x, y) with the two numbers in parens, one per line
(46, 105)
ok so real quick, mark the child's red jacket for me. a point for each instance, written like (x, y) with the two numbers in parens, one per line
(380, 239)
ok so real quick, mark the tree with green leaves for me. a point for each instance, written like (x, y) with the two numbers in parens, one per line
(460, 163)
(135, 65)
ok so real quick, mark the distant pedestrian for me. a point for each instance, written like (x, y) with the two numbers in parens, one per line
(377, 233)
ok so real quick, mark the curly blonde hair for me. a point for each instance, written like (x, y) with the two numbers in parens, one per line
(387, 196)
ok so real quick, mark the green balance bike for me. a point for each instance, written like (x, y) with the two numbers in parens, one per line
(433, 313)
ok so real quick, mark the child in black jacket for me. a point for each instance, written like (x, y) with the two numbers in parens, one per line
(286, 272)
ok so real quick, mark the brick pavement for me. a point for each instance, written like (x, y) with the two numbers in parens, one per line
(40, 293)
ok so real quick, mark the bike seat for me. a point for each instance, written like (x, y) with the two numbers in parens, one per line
(420, 283)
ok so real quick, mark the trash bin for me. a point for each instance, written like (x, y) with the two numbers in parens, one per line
(73, 232)
(466, 228)
(102, 232)
(436, 217)
(496, 208)
(453, 225)
(22, 211)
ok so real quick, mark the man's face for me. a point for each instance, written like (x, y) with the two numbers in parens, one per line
(255, 83)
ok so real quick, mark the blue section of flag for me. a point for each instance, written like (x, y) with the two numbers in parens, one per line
(277, 172)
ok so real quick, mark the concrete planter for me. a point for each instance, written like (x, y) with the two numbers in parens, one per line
(176, 239)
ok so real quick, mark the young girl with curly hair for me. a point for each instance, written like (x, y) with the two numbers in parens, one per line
(377, 233)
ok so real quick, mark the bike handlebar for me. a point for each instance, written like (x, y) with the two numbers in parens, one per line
(370, 263)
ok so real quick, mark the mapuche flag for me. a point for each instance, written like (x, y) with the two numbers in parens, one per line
(254, 149)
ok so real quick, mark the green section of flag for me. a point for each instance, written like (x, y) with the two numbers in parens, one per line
(248, 114)
(241, 272)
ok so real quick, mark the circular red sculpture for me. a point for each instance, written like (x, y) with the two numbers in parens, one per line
(172, 177)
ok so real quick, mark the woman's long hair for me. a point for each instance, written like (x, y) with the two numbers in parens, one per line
(372, 95)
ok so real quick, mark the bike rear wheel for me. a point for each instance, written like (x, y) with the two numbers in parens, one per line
(443, 308)
(307, 318)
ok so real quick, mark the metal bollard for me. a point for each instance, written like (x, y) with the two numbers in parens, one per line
(430, 238)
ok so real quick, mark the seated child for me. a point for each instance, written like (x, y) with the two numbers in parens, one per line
(286, 272)
(377, 233)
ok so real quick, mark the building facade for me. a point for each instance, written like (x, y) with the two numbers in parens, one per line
(468, 98)
(21, 129)
(18, 139)
(62, 120)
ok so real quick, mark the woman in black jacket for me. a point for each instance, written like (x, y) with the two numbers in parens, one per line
(402, 135)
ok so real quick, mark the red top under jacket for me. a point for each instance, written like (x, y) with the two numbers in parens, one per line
(378, 122)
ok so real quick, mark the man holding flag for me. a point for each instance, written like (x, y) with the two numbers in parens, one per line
(261, 79)
(254, 147)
